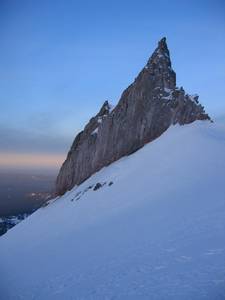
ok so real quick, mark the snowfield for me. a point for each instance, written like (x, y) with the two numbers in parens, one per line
(154, 229)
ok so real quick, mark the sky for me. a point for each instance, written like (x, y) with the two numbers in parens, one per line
(60, 60)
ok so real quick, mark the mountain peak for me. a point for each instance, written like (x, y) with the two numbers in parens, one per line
(162, 44)
(105, 109)
(161, 51)
(160, 68)
(146, 109)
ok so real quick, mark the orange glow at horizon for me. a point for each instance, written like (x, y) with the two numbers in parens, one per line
(30, 160)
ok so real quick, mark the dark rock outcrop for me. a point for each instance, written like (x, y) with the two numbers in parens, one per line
(146, 109)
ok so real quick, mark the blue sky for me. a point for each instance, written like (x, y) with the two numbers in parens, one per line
(60, 60)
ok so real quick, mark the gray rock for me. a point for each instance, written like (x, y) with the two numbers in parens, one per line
(97, 186)
(145, 110)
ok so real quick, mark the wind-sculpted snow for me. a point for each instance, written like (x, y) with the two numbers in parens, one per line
(149, 226)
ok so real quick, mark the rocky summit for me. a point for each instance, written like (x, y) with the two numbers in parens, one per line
(147, 108)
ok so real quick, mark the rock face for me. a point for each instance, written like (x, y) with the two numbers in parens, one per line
(145, 110)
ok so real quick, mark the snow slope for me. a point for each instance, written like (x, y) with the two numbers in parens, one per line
(157, 232)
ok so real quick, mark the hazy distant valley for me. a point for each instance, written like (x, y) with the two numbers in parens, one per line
(21, 193)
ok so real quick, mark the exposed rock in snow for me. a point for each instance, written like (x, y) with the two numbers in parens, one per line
(146, 109)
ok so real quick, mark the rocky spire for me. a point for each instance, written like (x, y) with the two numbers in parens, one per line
(159, 66)
(145, 110)
(104, 109)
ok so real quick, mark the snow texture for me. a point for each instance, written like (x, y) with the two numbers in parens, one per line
(154, 228)
(95, 131)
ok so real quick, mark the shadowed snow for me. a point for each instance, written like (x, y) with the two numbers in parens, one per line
(157, 232)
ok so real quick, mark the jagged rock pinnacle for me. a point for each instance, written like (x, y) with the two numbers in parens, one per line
(160, 68)
(105, 109)
(162, 44)
(145, 110)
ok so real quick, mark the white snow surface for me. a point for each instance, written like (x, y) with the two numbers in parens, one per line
(95, 131)
(158, 232)
(170, 92)
(192, 97)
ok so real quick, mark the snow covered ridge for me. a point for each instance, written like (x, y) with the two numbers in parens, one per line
(156, 232)
(146, 109)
